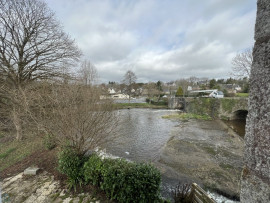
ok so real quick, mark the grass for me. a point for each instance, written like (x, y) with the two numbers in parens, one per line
(242, 94)
(226, 166)
(138, 105)
(13, 151)
(210, 150)
(187, 116)
(5, 154)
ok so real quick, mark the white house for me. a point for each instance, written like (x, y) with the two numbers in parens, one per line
(119, 96)
(111, 91)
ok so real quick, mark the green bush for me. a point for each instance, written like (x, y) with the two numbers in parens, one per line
(142, 184)
(124, 181)
(113, 175)
(71, 164)
(92, 170)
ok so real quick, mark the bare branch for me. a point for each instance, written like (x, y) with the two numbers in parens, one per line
(76, 116)
(241, 64)
(129, 80)
(32, 43)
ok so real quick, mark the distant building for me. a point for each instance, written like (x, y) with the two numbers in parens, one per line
(111, 91)
(120, 96)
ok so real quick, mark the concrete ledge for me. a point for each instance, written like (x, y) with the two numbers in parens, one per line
(31, 171)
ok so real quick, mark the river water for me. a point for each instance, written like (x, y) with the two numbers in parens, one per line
(142, 135)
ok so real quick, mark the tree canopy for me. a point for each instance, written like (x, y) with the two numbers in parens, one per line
(179, 92)
(33, 45)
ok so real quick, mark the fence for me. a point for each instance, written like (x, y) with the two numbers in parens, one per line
(199, 195)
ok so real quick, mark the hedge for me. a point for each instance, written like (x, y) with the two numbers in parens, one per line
(124, 181)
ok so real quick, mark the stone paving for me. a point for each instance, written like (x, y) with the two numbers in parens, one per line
(41, 188)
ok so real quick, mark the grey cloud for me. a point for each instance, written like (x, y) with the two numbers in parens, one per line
(159, 40)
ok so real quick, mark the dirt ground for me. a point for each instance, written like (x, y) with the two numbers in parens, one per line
(47, 186)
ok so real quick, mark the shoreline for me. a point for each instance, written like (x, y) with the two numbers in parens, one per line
(138, 105)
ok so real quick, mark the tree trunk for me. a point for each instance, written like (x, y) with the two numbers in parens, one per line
(255, 183)
(18, 125)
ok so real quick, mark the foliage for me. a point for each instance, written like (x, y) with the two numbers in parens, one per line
(71, 164)
(49, 141)
(159, 85)
(124, 181)
(140, 105)
(246, 88)
(179, 92)
(12, 151)
(242, 94)
(5, 154)
(228, 104)
(181, 193)
(225, 92)
(212, 83)
(92, 169)
(204, 106)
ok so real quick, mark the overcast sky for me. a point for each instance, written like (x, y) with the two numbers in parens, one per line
(159, 39)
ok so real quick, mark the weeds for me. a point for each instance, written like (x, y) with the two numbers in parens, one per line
(182, 193)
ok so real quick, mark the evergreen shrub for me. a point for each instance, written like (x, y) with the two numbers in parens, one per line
(124, 181)
(71, 164)
(92, 170)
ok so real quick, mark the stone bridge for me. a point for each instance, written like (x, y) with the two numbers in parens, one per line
(225, 108)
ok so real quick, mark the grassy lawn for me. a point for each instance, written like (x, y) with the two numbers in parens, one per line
(242, 94)
(12, 151)
(187, 116)
(138, 105)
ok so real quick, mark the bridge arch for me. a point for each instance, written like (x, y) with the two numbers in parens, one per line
(240, 114)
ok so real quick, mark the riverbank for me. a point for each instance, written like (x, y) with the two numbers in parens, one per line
(138, 105)
(207, 151)
(47, 186)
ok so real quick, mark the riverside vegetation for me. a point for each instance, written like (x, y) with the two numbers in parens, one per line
(121, 180)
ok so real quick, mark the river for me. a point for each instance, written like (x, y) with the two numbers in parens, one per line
(145, 136)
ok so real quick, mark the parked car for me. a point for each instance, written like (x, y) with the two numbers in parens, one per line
(217, 94)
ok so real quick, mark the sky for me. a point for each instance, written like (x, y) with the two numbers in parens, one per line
(159, 39)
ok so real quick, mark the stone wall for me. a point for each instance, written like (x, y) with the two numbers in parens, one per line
(256, 174)
(216, 108)
(177, 103)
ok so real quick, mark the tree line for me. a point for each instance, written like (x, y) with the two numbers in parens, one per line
(38, 92)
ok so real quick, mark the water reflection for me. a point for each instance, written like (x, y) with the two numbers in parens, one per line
(142, 134)
(238, 126)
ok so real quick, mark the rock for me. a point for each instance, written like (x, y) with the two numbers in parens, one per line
(205, 151)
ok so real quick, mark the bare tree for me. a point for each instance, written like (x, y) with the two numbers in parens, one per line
(151, 89)
(88, 73)
(33, 47)
(129, 80)
(183, 83)
(241, 64)
(193, 80)
(75, 115)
